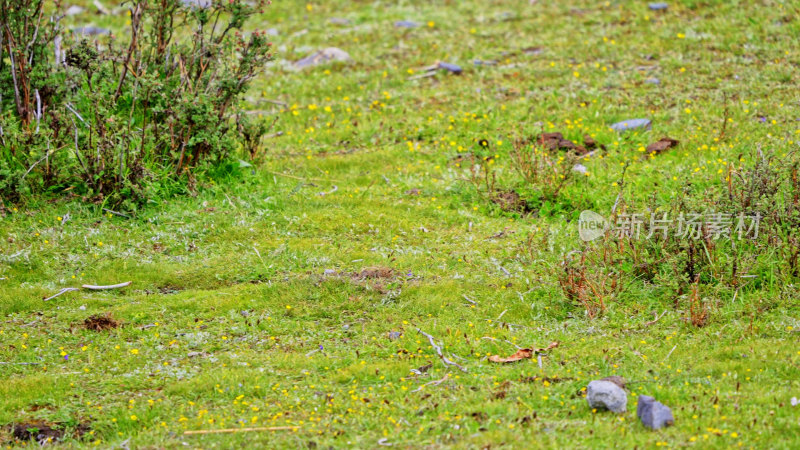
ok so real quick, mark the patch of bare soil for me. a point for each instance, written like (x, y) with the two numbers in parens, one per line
(100, 322)
(511, 201)
(555, 141)
(42, 432)
(373, 273)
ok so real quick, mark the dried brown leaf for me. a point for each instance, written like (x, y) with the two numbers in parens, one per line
(662, 145)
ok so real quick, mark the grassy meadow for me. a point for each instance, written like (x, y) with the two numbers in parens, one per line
(294, 290)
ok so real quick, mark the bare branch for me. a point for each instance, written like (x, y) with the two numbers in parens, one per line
(438, 350)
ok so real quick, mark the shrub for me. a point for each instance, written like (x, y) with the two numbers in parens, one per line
(119, 121)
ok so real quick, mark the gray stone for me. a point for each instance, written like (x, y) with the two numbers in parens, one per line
(406, 24)
(74, 10)
(659, 6)
(631, 124)
(90, 31)
(653, 414)
(323, 56)
(452, 68)
(606, 395)
(202, 4)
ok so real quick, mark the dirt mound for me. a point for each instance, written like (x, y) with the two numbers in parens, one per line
(510, 201)
(41, 431)
(100, 322)
(371, 273)
(555, 141)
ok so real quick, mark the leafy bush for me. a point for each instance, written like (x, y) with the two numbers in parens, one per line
(119, 121)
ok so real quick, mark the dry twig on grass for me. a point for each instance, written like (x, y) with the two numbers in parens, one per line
(439, 351)
(90, 287)
(432, 383)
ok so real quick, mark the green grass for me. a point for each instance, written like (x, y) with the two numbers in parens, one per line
(236, 275)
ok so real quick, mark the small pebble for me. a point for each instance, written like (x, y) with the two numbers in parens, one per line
(74, 10)
(90, 31)
(323, 56)
(406, 24)
(631, 124)
(452, 68)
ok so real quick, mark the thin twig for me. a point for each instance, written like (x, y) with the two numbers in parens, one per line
(432, 383)
(335, 188)
(469, 299)
(657, 317)
(46, 155)
(439, 351)
(670, 352)
(116, 213)
(91, 287)
(69, 107)
(110, 286)
(621, 187)
(62, 291)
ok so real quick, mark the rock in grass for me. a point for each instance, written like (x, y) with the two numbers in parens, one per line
(658, 6)
(606, 395)
(405, 24)
(394, 335)
(452, 68)
(631, 124)
(74, 10)
(653, 414)
(90, 31)
(323, 56)
(197, 3)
